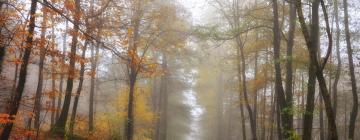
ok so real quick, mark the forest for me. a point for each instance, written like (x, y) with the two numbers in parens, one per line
(179, 69)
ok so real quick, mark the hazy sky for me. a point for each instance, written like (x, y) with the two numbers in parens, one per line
(197, 8)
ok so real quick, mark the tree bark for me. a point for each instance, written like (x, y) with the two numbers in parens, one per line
(272, 113)
(94, 61)
(244, 88)
(2, 51)
(92, 90)
(284, 108)
(15, 103)
(59, 127)
(338, 57)
(332, 134)
(79, 89)
(255, 94)
(263, 111)
(134, 69)
(13, 89)
(312, 41)
(355, 107)
(289, 59)
(62, 74)
(321, 118)
(53, 76)
(2, 44)
(39, 89)
(278, 120)
(310, 99)
(242, 116)
(241, 73)
(263, 119)
(129, 131)
(301, 104)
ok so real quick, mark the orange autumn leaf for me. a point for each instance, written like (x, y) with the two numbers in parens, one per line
(69, 5)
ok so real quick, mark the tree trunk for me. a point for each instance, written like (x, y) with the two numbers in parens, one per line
(15, 103)
(338, 68)
(273, 107)
(352, 73)
(130, 118)
(94, 60)
(78, 91)
(240, 95)
(62, 74)
(312, 42)
(53, 99)
(59, 127)
(301, 104)
(13, 89)
(133, 72)
(310, 99)
(243, 121)
(278, 120)
(263, 112)
(2, 51)
(332, 134)
(53, 76)
(321, 118)
(285, 110)
(345, 118)
(255, 96)
(2, 44)
(92, 89)
(263, 119)
(289, 67)
(244, 89)
(39, 89)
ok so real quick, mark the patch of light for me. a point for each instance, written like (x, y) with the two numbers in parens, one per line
(196, 8)
(195, 111)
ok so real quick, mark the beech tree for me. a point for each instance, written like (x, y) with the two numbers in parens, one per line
(354, 111)
(15, 103)
(59, 127)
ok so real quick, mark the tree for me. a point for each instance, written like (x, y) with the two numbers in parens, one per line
(133, 65)
(62, 75)
(312, 43)
(355, 107)
(94, 61)
(78, 91)
(39, 89)
(54, 91)
(285, 103)
(2, 44)
(289, 60)
(15, 103)
(59, 127)
(338, 68)
(235, 24)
